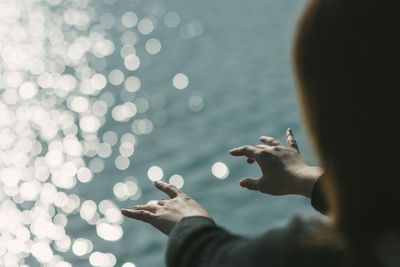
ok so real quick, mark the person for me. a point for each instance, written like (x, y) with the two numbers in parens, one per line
(346, 56)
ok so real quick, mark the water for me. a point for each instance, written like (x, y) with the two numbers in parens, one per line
(241, 67)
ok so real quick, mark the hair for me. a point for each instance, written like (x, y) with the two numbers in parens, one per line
(347, 62)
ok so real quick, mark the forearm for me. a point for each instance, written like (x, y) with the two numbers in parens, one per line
(198, 242)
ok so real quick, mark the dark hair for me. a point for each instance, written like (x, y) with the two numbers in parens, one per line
(347, 66)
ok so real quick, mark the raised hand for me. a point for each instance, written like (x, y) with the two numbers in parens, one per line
(284, 170)
(167, 213)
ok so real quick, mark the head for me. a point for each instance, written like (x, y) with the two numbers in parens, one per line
(347, 65)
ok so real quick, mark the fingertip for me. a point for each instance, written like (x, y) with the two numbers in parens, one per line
(233, 153)
(125, 212)
(238, 151)
(159, 184)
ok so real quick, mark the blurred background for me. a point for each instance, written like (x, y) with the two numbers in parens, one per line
(98, 99)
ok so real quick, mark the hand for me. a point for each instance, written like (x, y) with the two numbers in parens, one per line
(284, 170)
(167, 213)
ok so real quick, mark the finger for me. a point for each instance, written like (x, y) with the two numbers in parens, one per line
(162, 202)
(248, 151)
(266, 151)
(141, 215)
(271, 141)
(250, 160)
(250, 183)
(291, 141)
(168, 189)
(149, 207)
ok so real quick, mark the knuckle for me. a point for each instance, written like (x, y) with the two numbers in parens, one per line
(172, 187)
(293, 144)
(275, 141)
(142, 213)
(276, 148)
(264, 153)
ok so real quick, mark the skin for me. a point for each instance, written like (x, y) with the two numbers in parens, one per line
(284, 171)
(167, 212)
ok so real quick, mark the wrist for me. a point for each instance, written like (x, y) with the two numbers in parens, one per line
(309, 176)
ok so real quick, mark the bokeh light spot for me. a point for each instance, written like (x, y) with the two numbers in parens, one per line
(172, 19)
(145, 26)
(180, 81)
(220, 170)
(155, 173)
(153, 46)
(176, 180)
(129, 19)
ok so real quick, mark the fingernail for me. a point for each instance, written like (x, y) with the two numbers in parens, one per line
(124, 211)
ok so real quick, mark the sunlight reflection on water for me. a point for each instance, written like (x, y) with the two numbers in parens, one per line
(55, 98)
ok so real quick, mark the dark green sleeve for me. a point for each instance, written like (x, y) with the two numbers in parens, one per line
(318, 199)
(198, 242)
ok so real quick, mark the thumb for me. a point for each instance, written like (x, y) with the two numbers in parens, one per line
(250, 183)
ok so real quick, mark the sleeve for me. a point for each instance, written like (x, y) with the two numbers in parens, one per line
(318, 200)
(198, 242)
